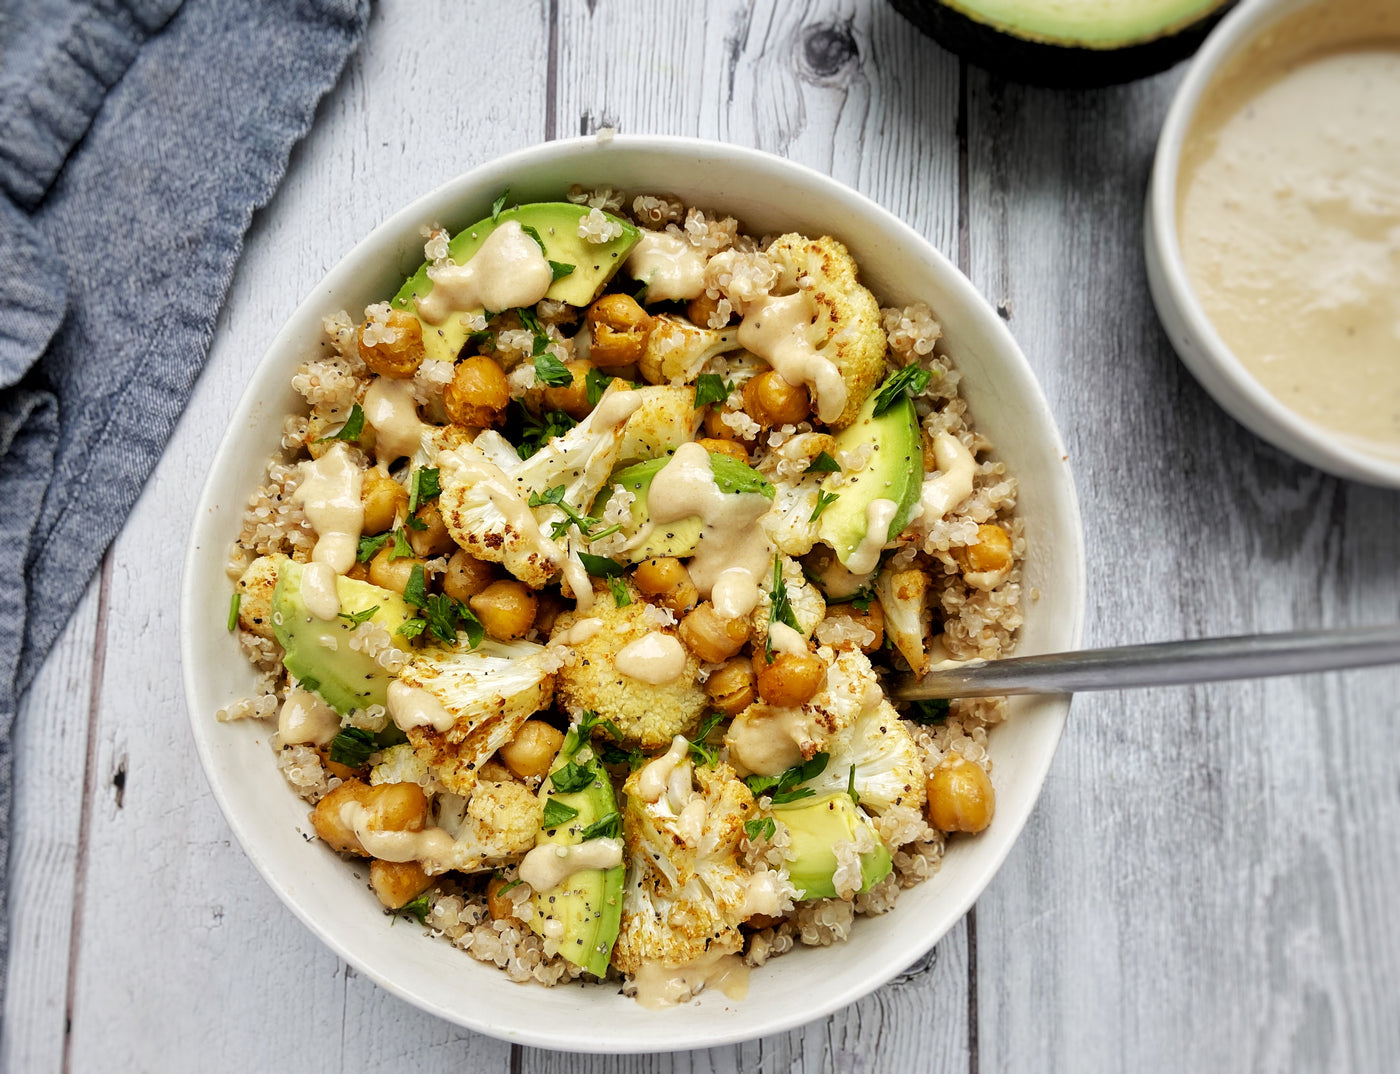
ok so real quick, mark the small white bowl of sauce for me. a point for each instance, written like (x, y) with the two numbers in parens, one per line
(1273, 228)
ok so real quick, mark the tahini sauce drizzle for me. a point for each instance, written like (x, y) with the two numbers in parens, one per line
(659, 985)
(953, 484)
(318, 591)
(778, 328)
(508, 270)
(329, 493)
(672, 269)
(865, 557)
(305, 718)
(390, 408)
(411, 706)
(549, 865)
(656, 658)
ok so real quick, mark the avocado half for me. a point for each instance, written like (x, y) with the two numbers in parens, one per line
(1067, 43)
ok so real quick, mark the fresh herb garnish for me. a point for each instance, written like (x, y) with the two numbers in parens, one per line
(532, 324)
(352, 747)
(862, 598)
(423, 486)
(910, 379)
(621, 598)
(823, 464)
(370, 545)
(557, 813)
(510, 886)
(402, 549)
(484, 340)
(760, 828)
(824, 500)
(633, 759)
(443, 616)
(595, 384)
(536, 432)
(560, 269)
(411, 628)
(931, 711)
(550, 370)
(415, 591)
(420, 908)
(851, 786)
(600, 566)
(711, 388)
(572, 777)
(356, 618)
(609, 826)
(779, 609)
(499, 204)
(784, 787)
(587, 524)
(703, 753)
(233, 611)
(351, 430)
(413, 522)
(588, 720)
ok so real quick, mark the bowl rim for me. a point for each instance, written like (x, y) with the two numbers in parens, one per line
(1211, 360)
(1069, 561)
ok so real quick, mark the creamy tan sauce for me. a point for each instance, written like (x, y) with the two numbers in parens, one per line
(656, 658)
(655, 777)
(306, 719)
(1289, 216)
(764, 740)
(549, 865)
(318, 590)
(952, 484)
(329, 493)
(581, 631)
(508, 270)
(428, 845)
(731, 541)
(410, 706)
(778, 328)
(659, 985)
(865, 557)
(784, 639)
(390, 408)
(672, 269)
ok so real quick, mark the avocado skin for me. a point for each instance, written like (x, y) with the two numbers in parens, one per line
(1039, 63)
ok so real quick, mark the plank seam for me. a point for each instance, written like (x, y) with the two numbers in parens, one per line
(551, 72)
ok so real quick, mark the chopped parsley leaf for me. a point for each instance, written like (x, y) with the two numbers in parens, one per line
(499, 204)
(609, 827)
(711, 388)
(931, 711)
(851, 786)
(356, 618)
(370, 545)
(351, 430)
(824, 500)
(560, 269)
(600, 566)
(411, 628)
(785, 786)
(621, 598)
(823, 464)
(587, 524)
(233, 611)
(633, 759)
(550, 370)
(572, 777)
(862, 598)
(352, 747)
(595, 384)
(703, 753)
(415, 523)
(538, 431)
(910, 379)
(779, 609)
(443, 613)
(423, 487)
(415, 592)
(588, 720)
(419, 908)
(760, 828)
(557, 813)
(510, 885)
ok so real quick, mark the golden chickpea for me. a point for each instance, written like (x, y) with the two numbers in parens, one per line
(711, 638)
(382, 498)
(478, 393)
(498, 902)
(389, 573)
(770, 400)
(619, 329)
(714, 426)
(532, 750)
(335, 768)
(358, 571)
(666, 578)
(572, 398)
(552, 605)
(873, 619)
(762, 921)
(731, 687)
(699, 310)
(791, 679)
(960, 796)
(391, 807)
(398, 348)
(506, 609)
(732, 448)
(398, 883)
(433, 539)
(466, 576)
(990, 555)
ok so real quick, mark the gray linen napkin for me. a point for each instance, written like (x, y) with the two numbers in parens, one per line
(137, 137)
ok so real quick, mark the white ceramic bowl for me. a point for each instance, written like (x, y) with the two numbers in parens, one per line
(1197, 342)
(767, 194)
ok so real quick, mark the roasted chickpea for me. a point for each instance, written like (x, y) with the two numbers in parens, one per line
(991, 555)
(392, 346)
(433, 539)
(702, 308)
(791, 679)
(466, 576)
(715, 427)
(506, 609)
(762, 921)
(619, 330)
(666, 578)
(532, 750)
(498, 902)
(571, 398)
(873, 619)
(770, 400)
(731, 687)
(552, 605)
(335, 768)
(732, 448)
(478, 393)
(398, 883)
(382, 498)
(358, 571)
(389, 807)
(390, 573)
(960, 796)
(711, 638)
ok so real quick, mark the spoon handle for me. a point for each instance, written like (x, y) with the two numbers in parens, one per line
(1168, 663)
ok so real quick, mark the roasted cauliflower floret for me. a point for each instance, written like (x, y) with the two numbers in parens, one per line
(495, 826)
(488, 691)
(904, 598)
(647, 715)
(255, 588)
(678, 350)
(665, 419)
(806, 601)
(846, 325)
(886, 760)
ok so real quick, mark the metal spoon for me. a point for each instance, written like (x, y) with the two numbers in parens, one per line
(1167, 663)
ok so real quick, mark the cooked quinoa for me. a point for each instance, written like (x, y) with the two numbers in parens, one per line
(802, 668)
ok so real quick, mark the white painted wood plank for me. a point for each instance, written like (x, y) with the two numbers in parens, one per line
(1206, 883)
(50, 750)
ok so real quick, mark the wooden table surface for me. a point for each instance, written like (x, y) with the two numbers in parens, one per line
(1209, 881)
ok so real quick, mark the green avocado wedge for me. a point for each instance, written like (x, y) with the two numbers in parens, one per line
(893, 471)
(556, 224)
(815, 826)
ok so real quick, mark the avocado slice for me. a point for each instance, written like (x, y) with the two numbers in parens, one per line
(681, 537)
(894, 471)
(589, 903)
(815, 826)
(556, 223)
(1053, 43)
(317, 651)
